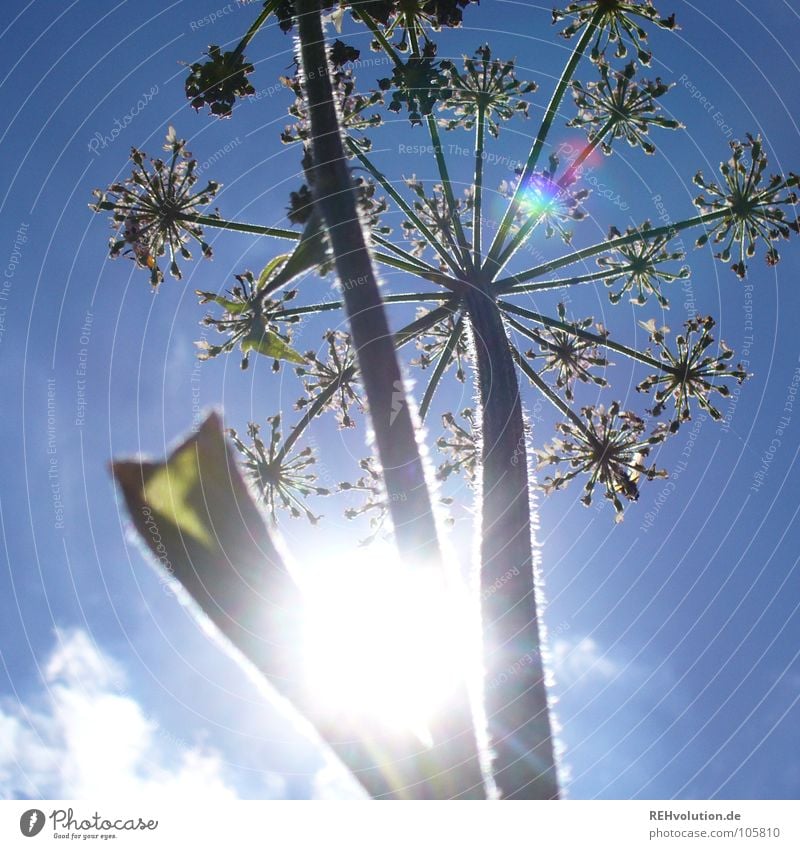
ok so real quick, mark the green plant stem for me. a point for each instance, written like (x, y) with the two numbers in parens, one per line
(668, 230)
(444, 254)
(463, 246)
(477, 221)
(587, 151)
(441, 367)
(242, 227)
(314, 409)
(268, 9)
(581, 334)
(414, 41)
(543, 387)
(412, 262)
(507, 285)
(223, 224)
(516, 705)
(541, 137)
(379, 37)
(421, 324)
(412, 297)
(393, 262)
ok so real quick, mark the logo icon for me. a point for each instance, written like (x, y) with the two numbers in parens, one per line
(398, 398)
(31, 822)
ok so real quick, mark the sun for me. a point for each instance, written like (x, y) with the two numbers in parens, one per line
(385, 639)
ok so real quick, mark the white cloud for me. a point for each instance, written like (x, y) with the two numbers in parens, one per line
(579, 660)
(87, 736)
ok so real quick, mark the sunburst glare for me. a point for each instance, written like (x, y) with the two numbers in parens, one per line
(385, 639)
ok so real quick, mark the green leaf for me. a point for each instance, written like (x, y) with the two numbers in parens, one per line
(232, 307)
(311, 251)
(270, 344)
(195, 514)
(269, 269)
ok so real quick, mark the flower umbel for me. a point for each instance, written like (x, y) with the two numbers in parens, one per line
(251, 321)
(462, 444)
(412, 18)
(336, 375)
(639, 266)
(548, 200)
(434, 342)
(282, 480)
(420, 82)
(488, 86)
(610, 447)
(753, 211)
(691, 372)
(217, 82)
(153, 208)
(625, 108)
(434, 212)
(617, 22)
(375, 504)
(568, 355)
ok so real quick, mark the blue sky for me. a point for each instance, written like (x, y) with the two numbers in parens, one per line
(674, 634)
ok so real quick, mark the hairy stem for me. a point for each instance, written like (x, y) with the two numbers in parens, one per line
(380, 371)
(242, 227)
(509, 285)
(411, 297)
(453, 767)
(411, 260)
(516, 697)
(477, 223)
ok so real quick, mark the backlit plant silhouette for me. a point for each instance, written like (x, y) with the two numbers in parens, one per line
(475, 320)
